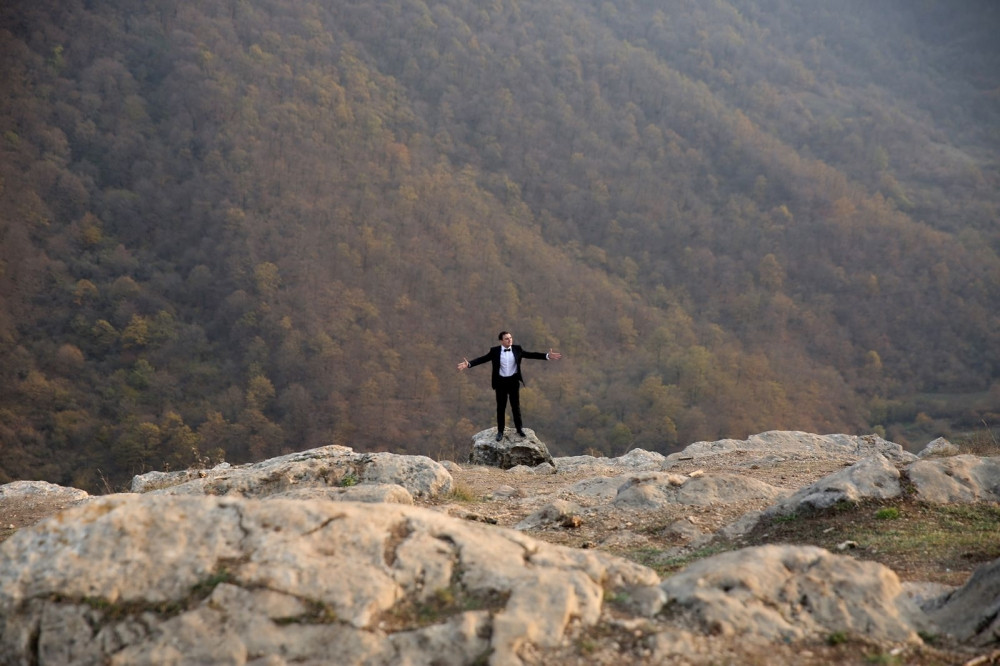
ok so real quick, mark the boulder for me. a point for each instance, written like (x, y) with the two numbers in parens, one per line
(964, 478)
(324, 467)
(420, 475)
(872, 477)
(366, 492)
(150, 579)
(794, 444)
(556, 511)
(511, 451)
(505, 492)
(653, 490)
(741, 526)
(971, 613)
(37, 491)
(684, 530)
(792, 593)
(939, 447)
(601, 487)
(636, 460)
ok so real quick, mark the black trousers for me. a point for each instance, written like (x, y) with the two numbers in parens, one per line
(507, 388)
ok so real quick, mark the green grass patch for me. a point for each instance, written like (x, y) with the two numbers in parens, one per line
(664, 565)
(941, 543)
(205, 587)
(836, 638)
(439, 606)
(927, 542)
(114, 611)
(887, 513)
(317, 612)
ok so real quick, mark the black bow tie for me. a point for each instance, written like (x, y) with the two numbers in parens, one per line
(506, 348)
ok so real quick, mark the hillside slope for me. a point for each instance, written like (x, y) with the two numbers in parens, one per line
(235, 229)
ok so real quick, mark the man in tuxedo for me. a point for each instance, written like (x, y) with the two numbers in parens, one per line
(507, 378)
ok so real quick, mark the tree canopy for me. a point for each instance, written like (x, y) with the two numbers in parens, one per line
(234, 229)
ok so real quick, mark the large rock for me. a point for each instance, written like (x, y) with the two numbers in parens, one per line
(781, 445)
(600, 487)
(971, 613)
(962, 478)
(154, 579)
(871, 478)
(556, 511)
(939, 447)
(511, 451)
(40, 491)
(653, 490)
(636, 460)
(792, 593)
(324, 467)
(366, 492)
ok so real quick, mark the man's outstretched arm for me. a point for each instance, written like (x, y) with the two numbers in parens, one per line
(466, 363)
(552, 355)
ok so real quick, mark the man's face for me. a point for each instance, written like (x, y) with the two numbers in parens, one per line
(507, 340)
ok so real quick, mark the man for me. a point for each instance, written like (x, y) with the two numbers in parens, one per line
(507, 377)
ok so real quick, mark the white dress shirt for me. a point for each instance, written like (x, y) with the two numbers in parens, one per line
(507, 364)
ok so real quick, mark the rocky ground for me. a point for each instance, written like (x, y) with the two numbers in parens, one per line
(573, 505)
(505, 498)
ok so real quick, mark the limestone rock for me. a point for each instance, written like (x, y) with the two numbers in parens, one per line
(418, 474)
(602, 487)
(927, 595)
(324, 467)
(939, 447)
(971, 613)
(545, 468)
(640, 459)
(653, 490)
(791, 593)
(511, 451)
(684, 529)
(964, 478)
(41, 490)
(159, 578)
(741, 526)
(367, 492)
(505, 492)
(636, 460)
(556, 511)
(800, 444)
(872, 477)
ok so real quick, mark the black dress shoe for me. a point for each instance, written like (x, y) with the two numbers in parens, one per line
(521, 433)
(499, 435)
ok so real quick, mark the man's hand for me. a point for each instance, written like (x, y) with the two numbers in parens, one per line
(464, 364)
(554, 355)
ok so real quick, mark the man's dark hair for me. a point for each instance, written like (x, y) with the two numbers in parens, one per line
(502, 333)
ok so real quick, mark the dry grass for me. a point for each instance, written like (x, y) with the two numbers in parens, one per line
(980, 443)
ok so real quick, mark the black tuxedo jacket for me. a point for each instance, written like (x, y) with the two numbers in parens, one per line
(494, 355)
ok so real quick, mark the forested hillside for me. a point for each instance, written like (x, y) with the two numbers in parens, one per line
(235, 228)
